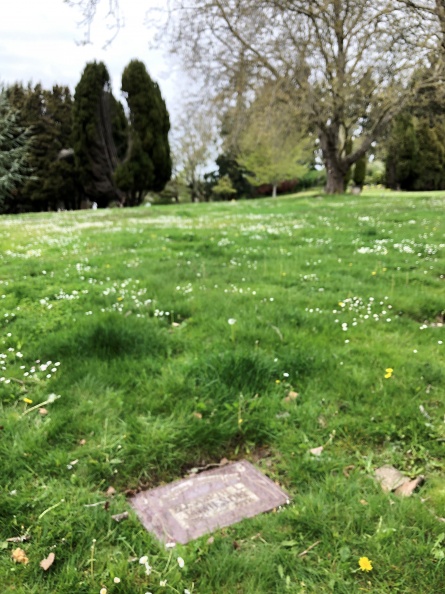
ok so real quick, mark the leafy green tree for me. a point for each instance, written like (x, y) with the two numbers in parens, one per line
(272, 144)
(229, 165)
(223, 189)
(431, 155)
(14, 153)
(96, 147)
(148, 165)
(375, 172)
(402, 151)
(415, 146)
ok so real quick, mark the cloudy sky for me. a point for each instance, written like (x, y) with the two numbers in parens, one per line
(39, 41)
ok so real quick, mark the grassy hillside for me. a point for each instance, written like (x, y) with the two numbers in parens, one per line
(123, 315)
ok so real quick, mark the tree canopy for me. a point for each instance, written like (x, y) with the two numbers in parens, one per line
(193, 146)
(348, 65)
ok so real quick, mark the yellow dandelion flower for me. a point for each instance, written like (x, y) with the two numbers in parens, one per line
(374, 273)
(278, 381)
(27, 400)
(389, 370)
(388, 375)
(365, 564)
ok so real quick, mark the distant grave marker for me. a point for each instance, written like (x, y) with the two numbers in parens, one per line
(188, 508)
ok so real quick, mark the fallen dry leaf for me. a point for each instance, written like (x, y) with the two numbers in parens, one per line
(309, 548)
(45, 564)
(82, 442)
(110, 492)
(392, 479)
(210, 540)
(120, 517)
(317, 451)
(23, 538)
(291, 396)
(407, 489)
(197, 415)
(322, 421)
(346, 470)
(223, 462)
(364, 502)
(43, 412)
(19, 556)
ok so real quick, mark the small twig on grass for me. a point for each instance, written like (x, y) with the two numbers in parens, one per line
(14, 379)
(278, 331)
(120, 517)
(50, 509)
(24, 382)
(23, 538)
(51, 398)
(309, 548)
(92, 558)
(94, 504)
(199, 469)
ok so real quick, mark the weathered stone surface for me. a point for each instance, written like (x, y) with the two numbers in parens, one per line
(188, 508)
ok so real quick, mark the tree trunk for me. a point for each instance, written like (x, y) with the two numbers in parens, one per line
(336, 167)
(274, 190)
(336, 180)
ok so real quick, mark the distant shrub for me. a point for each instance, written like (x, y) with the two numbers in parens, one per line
(312, 179)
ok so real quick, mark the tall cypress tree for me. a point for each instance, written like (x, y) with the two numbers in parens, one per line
(148, 165)
(96, 149)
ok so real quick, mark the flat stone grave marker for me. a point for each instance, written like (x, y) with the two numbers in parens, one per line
(188, 508)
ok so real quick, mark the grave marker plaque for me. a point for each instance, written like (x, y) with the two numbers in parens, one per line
(188, 508)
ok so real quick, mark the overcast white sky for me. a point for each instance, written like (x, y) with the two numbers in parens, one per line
(38, 42)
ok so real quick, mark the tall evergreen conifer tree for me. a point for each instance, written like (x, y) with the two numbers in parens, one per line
(96, 148)
(48, 114)
(14, 154)
(148, 165)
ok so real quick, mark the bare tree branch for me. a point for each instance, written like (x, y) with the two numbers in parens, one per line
(349, 65)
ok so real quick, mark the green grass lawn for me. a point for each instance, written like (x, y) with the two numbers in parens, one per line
(123, 315)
